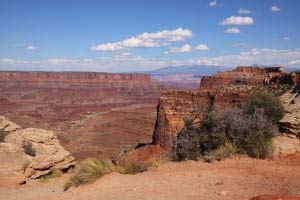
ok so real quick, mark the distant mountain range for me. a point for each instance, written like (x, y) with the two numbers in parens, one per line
(187, 70)
(200, 70)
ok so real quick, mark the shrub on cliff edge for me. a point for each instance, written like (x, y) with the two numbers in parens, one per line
(222, 134)
(272, 105)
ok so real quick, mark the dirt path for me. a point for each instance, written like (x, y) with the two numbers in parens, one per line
(230, 179)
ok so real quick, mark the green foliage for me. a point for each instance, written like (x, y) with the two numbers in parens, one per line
(90, 170)
(272, 105)
(187, 144)
(222, 152)
(222, 134)
(28, 149)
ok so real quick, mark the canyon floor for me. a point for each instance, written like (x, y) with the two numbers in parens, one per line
(238, 178)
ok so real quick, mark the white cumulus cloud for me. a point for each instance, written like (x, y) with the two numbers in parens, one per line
(147, 40)
(30, 48)
(237, 20)
(201, 47)
(244, 11)
(275, 8)
(185, 48)
(233, 31)
(214, 3)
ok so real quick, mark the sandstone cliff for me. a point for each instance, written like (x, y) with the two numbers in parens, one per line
(71, 77)
(227, 89)
(174, 106)
(30, 153)
(254, 76)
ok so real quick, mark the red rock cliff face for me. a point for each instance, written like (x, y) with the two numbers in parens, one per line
(248, 76)
(174, 106)
(71, 77)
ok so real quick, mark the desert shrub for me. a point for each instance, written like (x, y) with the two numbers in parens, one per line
(272, 105)
(1, 136)
(187, 144)
(28, 149)
(222, 152)
(89, 171)
(256, 136)
(221, 134)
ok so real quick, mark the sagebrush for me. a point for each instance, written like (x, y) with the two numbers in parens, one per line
(220, 134)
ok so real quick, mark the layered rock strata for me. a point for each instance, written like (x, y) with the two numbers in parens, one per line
(254, 76)
(227, 90)
(30, 153)
(174, 106)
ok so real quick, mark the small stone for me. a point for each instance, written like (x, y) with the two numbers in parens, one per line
(222, 193)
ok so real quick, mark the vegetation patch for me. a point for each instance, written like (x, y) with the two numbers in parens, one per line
(237, 131)
(92, 169)
(28, 149)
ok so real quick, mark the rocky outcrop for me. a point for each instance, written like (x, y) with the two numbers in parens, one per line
(30, 153)
(6, 125)
(237, 84)
(286, 145)
(176, 105)
(255, 76)
(290, 123)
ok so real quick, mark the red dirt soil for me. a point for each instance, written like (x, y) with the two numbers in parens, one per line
(232, 179)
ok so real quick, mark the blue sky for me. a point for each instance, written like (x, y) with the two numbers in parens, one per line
(110, 35)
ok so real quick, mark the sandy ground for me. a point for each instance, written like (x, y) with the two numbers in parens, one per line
(231, 179)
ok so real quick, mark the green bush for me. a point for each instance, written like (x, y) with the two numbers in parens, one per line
(187, 144)
(221, 134)
(272, 105)
(90, 170)
(28, 149)
(222, 152)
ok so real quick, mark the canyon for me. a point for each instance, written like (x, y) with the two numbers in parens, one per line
(94, 114)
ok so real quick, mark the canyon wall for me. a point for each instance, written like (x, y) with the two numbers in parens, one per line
(228, 89)
(71, 77)
(255, 76)
(174, 106)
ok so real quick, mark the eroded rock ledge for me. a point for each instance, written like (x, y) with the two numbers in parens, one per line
(30, 153)
(228, 90)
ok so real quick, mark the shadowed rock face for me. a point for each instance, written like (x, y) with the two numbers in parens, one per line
(174, 106)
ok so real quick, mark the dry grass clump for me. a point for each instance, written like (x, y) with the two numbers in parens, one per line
(90, 170)
(54, 174)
